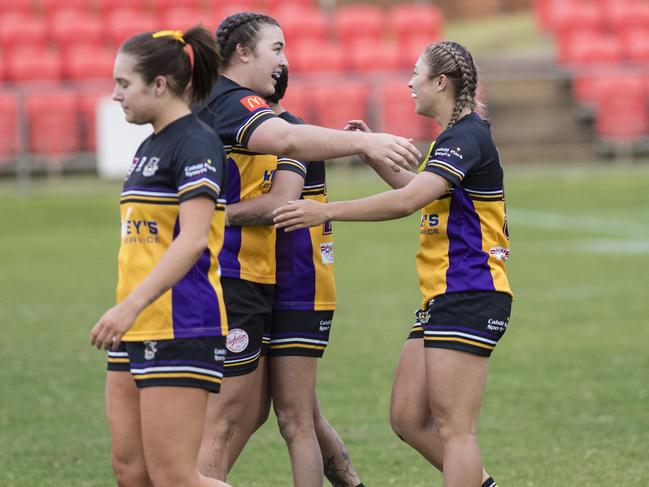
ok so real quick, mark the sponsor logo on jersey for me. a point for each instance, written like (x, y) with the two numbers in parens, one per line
(423, 316)
(267, 181)
(497, 325)
(150, 349)
(325, 325)
(237, 340)
(327, 252)
(253, 103)
(151, 167)
(199, 168)
(500, 253)
(219, 354)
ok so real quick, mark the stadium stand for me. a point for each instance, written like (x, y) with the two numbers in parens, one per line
(8, 126)
(53, 124)
(359, 22)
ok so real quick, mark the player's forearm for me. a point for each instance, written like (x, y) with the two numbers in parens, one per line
(307, 142)
(254, 212)
(174, 264)
(384, 206)
(394, 179)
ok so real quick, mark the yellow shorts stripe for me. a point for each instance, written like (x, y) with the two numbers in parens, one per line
(298, 345)
(177, 375)
(452, 339)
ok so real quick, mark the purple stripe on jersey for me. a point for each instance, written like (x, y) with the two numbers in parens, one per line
(468, 265)
(189, 363)
(295, 274)
(194, 303)
(229, 256)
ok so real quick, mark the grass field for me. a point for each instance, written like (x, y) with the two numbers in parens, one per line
(568, 395)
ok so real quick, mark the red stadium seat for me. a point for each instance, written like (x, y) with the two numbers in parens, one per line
(34, 64)
(628, 14)
(623, 118)
(572, 15)
(597, 89)
(123, 24)
(88, 110)
(22, 6)
(308, 57)
(19, 29)
(339, 101)
(303, 25)
(53, 128)
(89, 62)
(186, 18)
(107, 7)
(409, 21)
(220, 10)
(636, 45)
(297, 100)
(374, 56)
(160, 5)
(52, 7)
(411, 48)
(9, 140)
(590, 48)
(71, 28)
(359, 22)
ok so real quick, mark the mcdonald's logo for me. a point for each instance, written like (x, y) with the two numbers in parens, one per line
(253, 103)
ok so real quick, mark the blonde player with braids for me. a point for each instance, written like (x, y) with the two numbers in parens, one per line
(464, 243)
(166, 335)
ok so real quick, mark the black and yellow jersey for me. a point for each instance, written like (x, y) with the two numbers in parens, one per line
(183, 161)
(234, 112)
(305, 259)
(464, 239)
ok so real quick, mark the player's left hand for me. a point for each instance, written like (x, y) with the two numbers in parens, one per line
(110, 328)
(300, 214)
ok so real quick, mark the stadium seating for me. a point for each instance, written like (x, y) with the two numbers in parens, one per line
(22, 30)
(316, 56)
(303, 25)
(88, 101)
(297, 100)
(8, 126)
(88, 62)
(367, 56)
(161, 5)
(589, 48)
(359, 22)
(635, 43)
(22, 6)
(415, 21)
(51, 7)
(338, 101)
(411, 48)
(623, 118)
(26, 64)
(53, 129)
(71, 28)
(107, 7)
(185, 18)
(123, 24)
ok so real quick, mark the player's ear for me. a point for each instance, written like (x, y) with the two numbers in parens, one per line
(159, 85)
(442, 82)
(243, 52)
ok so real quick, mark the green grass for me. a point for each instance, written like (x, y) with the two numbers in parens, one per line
(566, 403)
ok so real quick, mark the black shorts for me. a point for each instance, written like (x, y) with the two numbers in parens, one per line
(182, 362)
(250, 307)
(300, 333)
(470, 322)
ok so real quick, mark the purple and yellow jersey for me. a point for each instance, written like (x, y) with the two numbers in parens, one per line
(185, 160)
(234, 112)
(305, 259)
(464, 242)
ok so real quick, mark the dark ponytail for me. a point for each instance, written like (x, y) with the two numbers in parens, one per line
(165, 53)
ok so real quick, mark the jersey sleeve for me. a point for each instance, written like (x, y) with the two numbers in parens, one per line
(286, 163)
(453, 155)
(200, 167)
(245, 111)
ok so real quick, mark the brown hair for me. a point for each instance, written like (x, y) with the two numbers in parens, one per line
(455, 61)
(165, 55)
(240, 28)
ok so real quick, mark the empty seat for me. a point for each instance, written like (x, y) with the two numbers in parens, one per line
(9, 139)
(374, 56)
(160, 5)
(186, 18)
(297, 100)
(123, 24)
(53, 128)
(33, 64)
(412, 47)
(572, 15)
(304, 25)
(88, 102)
(596, 89)
(636, 45)
(359, 22)
(309, 57)
(623, 118)
(339, 101)
(416, 21)
(592, 48)
(628, 14)
(106, 7)
(89, 62)
(22, 6)
(19, 29)
(71, 28)
(52, 7)
(397, 110)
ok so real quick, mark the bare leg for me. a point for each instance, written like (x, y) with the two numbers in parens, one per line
(410, 414)
(293, 390)
(456, 383)
(226, 411)
(255, 416)
(338, 466)
(172, 426)
(123, 410)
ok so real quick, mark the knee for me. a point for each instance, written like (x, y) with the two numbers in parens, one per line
(450, 429)
(405, 422)
(292, 421)
(130, 473)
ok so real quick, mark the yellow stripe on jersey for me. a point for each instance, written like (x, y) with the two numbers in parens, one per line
(241, 133)
(446, 167)
(186, 188)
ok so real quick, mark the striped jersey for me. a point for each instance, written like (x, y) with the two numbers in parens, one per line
(305, 259)
(234, 112)
(464, 241)
(183, 161)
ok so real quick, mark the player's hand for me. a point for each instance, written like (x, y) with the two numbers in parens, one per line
(300, 214)
(110, 328)
(396, 152)
(357, 126)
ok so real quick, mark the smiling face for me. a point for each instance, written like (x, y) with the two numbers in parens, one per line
(138, 100)
(267, 59)
(423, 88)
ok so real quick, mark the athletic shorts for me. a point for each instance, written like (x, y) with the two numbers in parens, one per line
(182, 362)
(299, 333)
(470, 322)
(249, 306)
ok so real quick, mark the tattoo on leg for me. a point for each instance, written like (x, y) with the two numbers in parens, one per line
(340, 475)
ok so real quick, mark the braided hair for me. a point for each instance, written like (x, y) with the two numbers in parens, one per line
(455, 61)
(239, 28)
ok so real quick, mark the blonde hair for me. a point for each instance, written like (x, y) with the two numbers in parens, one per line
(455, 61)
